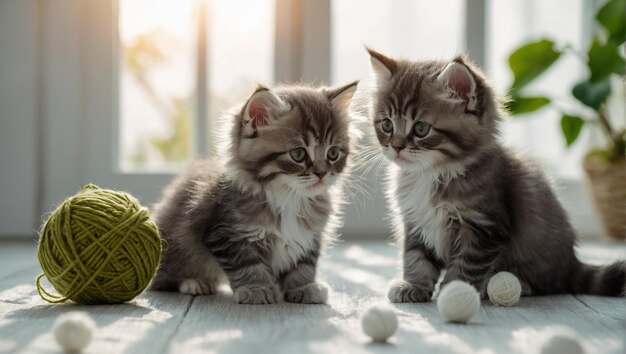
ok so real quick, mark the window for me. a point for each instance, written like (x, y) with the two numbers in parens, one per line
(166, 48)
(132, 113)
(157, 81)
(406, 28)
(241, 52)
(165, 43)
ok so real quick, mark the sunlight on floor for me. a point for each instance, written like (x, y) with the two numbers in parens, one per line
(20, 294)
(363, 256)
(439, 339)
(6, 345)
(212, 339)
(529, 339)
(359, 276)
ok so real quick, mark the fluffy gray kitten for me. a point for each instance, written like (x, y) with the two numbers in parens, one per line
(461, 201)
(257, 216)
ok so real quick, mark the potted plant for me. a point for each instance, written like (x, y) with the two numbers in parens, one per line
(606, 166)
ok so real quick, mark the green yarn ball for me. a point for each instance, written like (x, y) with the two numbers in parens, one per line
(98, 247)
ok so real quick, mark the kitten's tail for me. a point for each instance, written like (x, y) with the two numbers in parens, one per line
(607, 280)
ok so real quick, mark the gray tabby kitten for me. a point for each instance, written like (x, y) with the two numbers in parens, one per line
(462, 202)
(257, 217)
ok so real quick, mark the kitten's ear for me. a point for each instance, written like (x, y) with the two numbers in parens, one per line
(340, 97)
(384, 67)
(459, 82)
(262, 107)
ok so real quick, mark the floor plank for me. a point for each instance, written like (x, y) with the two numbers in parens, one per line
(142, 326)
(358, 274)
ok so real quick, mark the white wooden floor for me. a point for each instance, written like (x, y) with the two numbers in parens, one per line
(357, 271)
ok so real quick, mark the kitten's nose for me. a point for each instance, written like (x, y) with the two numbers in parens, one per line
(320, 175)
(398, 148)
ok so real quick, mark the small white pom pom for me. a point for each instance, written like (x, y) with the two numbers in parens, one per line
(73, 330)
(504, 289)
(562, 341)
(458, 301)
(379, 322)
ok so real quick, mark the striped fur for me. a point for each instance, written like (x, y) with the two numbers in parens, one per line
(460, 201)
(255, 216)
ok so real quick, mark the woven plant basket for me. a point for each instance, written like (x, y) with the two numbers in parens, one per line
(608, 186)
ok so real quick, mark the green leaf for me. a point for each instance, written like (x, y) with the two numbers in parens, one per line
(530, 60)
(604, 60)
(592, 94)
(571, 126)
(613, 17)
(519, 105)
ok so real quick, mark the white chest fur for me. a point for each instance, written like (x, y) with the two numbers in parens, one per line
(413, 193)
(292, 240)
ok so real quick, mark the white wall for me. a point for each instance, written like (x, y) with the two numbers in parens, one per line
(19, 107)
(64, 141)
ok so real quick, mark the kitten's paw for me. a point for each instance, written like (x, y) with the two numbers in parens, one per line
(257, 294)
(314, 293)
(195, 287)
(402, 291)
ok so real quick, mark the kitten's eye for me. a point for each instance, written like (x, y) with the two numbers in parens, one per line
(387, 125)
(333, 153)
(298, 154)
(421, 129)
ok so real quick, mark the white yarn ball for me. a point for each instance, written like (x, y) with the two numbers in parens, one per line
(504, 289)
(458, 301)
(73, 330)
(379, 322)
(562, 342)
